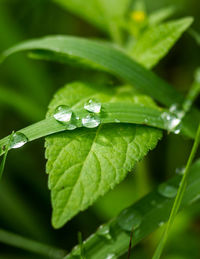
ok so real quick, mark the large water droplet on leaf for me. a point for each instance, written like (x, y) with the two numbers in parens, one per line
(91, 121)
(167, 190)
(93, 106)
(129, 219)
(63, 114)
(18, 140)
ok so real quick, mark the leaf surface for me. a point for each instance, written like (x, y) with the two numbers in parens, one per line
(86, 163)
(106, 57)
(157, 40)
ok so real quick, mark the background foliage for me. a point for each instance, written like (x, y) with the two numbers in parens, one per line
(27, 86)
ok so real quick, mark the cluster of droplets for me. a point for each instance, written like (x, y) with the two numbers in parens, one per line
(65, 115)
(173, 119)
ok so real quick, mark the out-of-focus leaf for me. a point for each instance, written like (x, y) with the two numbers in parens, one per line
(155, 43)
(151, 211)
(160, 15)
(97, 12)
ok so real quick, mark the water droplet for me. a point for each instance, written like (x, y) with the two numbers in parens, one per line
(160, 224)
(153, 202)
(178, 129)
(18, 140)
(111, 256)
(92, 106)
(117, 121)
(167, 190)
(171, 121)
(71, 126)
(173, 118)
(104, 231)
(180, 170)
(129, 219)
(91, 121)
(63, 114)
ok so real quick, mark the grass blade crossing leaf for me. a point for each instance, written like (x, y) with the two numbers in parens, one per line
(86, 163)
(113, 113)
(106, 57)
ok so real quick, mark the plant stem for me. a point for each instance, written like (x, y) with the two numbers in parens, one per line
(6, 149)
(178, 198)
(30, 245)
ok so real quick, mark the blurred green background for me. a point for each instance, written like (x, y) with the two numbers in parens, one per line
(26, 88)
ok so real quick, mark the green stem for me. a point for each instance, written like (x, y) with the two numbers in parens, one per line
(30, 245)
(111, 113)
(178, 198)
(5, 148)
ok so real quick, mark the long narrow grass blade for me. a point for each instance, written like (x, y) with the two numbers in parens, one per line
(179, 197)
(29, 245)
(106, 57)
(113, 113)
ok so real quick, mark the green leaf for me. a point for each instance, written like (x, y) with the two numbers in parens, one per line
(160, 15)
(97, 12)
(86, 163)
(156, 41)
(154, 210)
(106, 57)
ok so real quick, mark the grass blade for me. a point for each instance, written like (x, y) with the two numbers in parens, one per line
(5, 149)
(30, 245)
(105, 57)
(154, 208)
(113, 113)
(178, 198)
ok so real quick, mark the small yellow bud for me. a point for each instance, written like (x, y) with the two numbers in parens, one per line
(138, 16)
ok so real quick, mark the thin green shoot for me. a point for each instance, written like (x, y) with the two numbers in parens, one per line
(178, 198)
(80, 240)
(6, 149)
(29, 245)
(193, 93)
